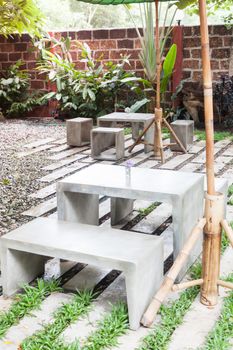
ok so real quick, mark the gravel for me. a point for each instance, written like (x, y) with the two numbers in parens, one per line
(18, 176)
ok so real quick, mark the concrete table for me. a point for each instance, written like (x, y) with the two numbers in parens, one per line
(111, 120)
(78, 197)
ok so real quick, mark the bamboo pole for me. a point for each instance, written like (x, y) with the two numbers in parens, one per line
(208, 98)
(225, 284)
(175, 136)
(214, 212)
(229, 232)
(169, 280)
(187, 284)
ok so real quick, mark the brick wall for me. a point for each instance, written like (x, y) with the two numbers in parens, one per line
(110, 44)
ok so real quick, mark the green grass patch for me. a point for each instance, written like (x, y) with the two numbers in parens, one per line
(24, 303)
(220, 337)
(109, 329)
(166, 133)
(127, 131)
(68, 313)
(218, 135)
(146, 211)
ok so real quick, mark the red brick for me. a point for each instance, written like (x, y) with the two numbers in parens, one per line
(117, 33)
(221, 30)
(25, 38)
(108, 44)
(186, 53)
(186, 74)
(6, 65)
(132, 33)
(125, 44)
(196, 53)
(227, 41)
(74, 55)
(197, 75)
(196, 31)
(72, 35)
(94, 45)
(37, 84)
(101, 34)
(217, 75)
(224, 64)
(29, 56)
(100, 55)
(21, 47)
(191, 64)
(31, 65)
(80, 65)
(187, 31)
(192, 42)
(13, 57)
(15, 38)
(7, 47)
(84, 35)
(3, 57)
(221, 53)
(2, 39)
(214, 64)
(216, 41)
(137, 44)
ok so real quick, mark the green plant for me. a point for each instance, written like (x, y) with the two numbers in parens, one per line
(63, 317)
(91, 92)
(24, 303)
(15, 98)
(218, 135)
(18, 16)
(146, 211)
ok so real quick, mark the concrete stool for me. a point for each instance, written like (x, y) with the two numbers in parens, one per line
(139, 257)
(184, 129)
(78, 131)
(102, 138)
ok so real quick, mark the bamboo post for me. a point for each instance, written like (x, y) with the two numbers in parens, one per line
(187, 284)
(158, 142)
(169, 280)
(208, 98)
(214, 212)
(225, 284)
(229, 232)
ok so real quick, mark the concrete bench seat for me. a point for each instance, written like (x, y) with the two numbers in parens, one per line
(140, 257)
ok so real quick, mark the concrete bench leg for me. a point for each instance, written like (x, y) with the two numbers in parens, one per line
(19, 268)
(78, 207)
(142, 282)
(186, 213)
(149, 138)
(120, 208)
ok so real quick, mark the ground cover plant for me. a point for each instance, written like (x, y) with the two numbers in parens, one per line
(30, 299)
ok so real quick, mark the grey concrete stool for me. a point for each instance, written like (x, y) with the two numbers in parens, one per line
(184, 129)
(139, 257)
(78, 131)
(102, 138)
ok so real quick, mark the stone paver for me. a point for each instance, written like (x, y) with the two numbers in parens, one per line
(39, 143)
(42, 208)
(176, 161)
(44, 192)
(62, 172)
(69, 152)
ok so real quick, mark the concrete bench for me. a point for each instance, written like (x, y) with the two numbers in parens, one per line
(140, 257)
(103, 138)
(78, 131)
(111, 120)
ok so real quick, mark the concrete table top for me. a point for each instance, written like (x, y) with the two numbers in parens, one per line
(111, 180)
(124, 117)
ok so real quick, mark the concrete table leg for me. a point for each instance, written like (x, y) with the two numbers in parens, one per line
(149, 137)
(19, 268)
(120, 208)
(142, 282)
(78, 207)
(135, 130)
(186, 213)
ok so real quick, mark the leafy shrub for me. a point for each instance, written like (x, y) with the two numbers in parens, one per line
(91, 92)
(15, 98)
(223, 96)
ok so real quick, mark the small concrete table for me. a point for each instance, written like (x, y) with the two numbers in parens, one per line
(78, 197)
(78, 131)
(111, 120)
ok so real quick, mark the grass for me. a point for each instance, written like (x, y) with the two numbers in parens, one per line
(109, 329)
(220, 337)
(230, 194)
(24, 303)
(218, 135)
(68, 313)
(146, 211)
(127, 131)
